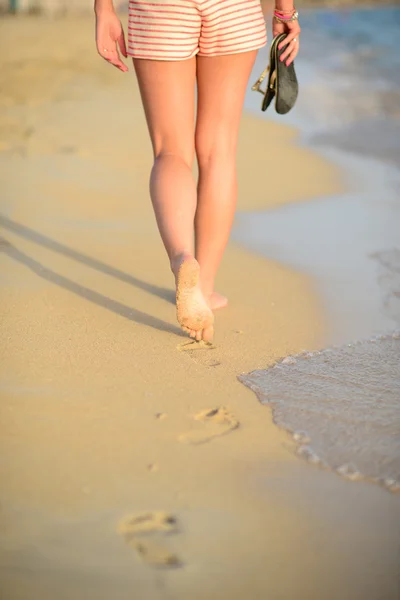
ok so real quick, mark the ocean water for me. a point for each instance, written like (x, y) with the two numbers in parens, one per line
(349, 75)
(342, 405)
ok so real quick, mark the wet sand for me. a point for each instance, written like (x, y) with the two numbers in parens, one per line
(133, 463)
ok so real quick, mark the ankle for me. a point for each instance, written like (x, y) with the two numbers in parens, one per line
(207, 290)
(177, 259)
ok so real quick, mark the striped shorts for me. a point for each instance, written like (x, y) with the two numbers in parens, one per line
(180, 29)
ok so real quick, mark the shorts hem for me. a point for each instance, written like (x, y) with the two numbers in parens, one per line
(139, 55)
(197, 52)
(228, 52)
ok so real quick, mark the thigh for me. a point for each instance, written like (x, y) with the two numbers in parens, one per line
(168, 94)
(222, 83)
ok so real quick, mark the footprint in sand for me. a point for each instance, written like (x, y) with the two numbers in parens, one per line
(215, 422)
(144, 532)
(194, 345)
(204, 358)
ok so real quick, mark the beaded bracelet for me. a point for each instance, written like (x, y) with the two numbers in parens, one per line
(284, 15)
(285, 12)
(280, 18)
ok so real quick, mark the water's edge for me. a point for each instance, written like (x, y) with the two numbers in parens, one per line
(327, 422)
(350, 425)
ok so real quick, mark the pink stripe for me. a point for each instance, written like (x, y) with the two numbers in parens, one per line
(148, 57)
(243, 17)
(155, 17)
(155, 4)
(144, 43)
(222, 13)
(163, 12)
(213, 8)
(210, 3)
(151, 51)
(216, 29)
(196, 27)
(240, 45)
(234, 22)
(158, 37)
(252, 41)
(223, 38)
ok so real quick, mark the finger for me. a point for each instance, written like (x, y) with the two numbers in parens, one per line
(289, 49)
(116, 57)
(289, 59)
(283, 44)
(122, 45)
(120, 67)
(117, 62)
(289, 38)
(113, 57)
(292, 56)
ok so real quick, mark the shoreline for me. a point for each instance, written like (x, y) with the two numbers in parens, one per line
(106, 409)
(366, 230)
(357, 278)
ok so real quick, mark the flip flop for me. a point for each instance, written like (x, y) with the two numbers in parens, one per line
(282, 81)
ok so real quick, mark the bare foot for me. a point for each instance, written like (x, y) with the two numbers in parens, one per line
(217, 301)
(194, 314)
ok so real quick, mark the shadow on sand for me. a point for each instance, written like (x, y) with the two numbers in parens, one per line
(117, 307)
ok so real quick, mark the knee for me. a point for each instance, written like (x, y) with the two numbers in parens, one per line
(180, 151)
(215, 150)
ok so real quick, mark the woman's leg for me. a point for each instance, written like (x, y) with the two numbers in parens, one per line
(222, 82)
(167, 90)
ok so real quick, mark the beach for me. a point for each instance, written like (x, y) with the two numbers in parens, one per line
(134, 463)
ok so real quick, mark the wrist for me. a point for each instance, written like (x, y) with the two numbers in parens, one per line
(102, 7)
(284, 6)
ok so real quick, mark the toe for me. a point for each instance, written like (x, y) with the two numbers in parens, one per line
(208, 333)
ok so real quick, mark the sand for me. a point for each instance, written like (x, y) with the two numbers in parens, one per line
(133, 462)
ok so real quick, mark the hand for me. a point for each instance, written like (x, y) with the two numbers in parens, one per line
(292, 28)
(110, 36)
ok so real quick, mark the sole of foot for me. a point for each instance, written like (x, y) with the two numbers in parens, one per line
(193, 312)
